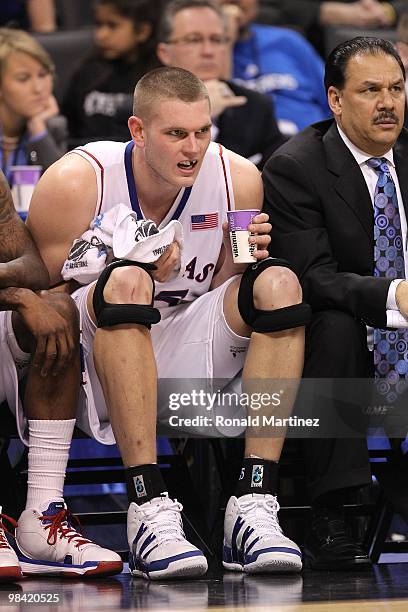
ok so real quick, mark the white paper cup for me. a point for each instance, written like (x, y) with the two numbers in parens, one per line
(238, 221)
(24, 179)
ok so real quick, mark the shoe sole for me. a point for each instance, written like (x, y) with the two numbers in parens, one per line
(177, 569)
(10, 573)
(101, 568)
(276, 565)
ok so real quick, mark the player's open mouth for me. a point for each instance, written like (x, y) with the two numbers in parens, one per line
(187, 165)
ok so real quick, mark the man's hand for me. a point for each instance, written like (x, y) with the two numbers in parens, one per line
(222, 97)
(167, 263)
(401, 297)
(37, 123)
(261, 227)
(54, 346)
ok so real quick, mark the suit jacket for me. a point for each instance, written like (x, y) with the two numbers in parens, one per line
(323, 222)
(250, 129)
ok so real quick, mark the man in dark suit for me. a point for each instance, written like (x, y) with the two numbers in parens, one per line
(323, 193)
(192, 36)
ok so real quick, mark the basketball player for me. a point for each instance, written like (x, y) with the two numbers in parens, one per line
(39, 337)
(170, 170)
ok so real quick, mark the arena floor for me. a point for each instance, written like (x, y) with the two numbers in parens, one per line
(382, 588)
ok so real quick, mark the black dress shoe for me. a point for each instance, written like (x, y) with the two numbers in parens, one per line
(329, 546)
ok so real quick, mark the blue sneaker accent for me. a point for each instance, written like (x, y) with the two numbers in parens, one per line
(49, 544)
(253, 539)
(159, 548)
(272, 549)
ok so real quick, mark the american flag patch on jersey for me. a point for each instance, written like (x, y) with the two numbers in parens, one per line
(203, 222)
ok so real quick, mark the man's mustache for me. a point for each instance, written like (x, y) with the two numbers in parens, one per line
(386, 116)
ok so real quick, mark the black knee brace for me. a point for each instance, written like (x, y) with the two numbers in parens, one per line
(108, 315)
(268, 320)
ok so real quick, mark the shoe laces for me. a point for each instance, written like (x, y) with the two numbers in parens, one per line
(165, 519)
(262, 514)
(3, 540)
(60, 525)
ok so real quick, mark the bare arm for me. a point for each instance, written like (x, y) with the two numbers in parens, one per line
(248, 194)
(21, 266)
(22, 272)
(62, 206)
(360, 14)
(41, 14)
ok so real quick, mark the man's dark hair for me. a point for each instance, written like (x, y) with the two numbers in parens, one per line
(337, 62)
(173, 7)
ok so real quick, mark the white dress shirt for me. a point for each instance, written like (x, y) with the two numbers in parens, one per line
(394, 318)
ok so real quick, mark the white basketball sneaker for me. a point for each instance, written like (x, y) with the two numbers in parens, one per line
(9, 565)
(48, 544)
(158, 546)
(253, 539)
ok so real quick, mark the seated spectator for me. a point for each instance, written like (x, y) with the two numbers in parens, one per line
(32, 130)
(124, 37)
(192, 36)
(281, 64)
(313, 15)
(34, 15)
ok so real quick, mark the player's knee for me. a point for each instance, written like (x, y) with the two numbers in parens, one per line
(128, 285)
(276, 287)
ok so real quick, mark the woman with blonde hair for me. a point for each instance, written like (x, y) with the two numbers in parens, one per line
(31, 129)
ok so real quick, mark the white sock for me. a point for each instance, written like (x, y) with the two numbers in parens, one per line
(49, 443)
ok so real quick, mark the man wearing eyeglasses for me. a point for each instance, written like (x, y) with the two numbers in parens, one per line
(192, 35)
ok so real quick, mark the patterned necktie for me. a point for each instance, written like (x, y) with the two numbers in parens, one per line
(390, 346)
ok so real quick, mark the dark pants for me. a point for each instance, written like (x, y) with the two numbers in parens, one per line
(336, 348)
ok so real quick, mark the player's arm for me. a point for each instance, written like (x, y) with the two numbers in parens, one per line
(21, 267)
(248, 194)
(62, 206)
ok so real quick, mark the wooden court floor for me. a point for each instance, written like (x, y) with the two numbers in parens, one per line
(384, 588)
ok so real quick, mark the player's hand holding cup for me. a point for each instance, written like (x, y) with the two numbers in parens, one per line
(249, 234)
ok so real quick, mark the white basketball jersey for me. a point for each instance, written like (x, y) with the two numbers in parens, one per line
(201, 209)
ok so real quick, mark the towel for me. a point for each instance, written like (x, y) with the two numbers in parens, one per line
(118, 234)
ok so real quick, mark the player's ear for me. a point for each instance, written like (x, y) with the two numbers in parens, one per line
(135, 125)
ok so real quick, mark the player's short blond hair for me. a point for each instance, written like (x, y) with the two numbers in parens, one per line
(17, 40)
(167, 83)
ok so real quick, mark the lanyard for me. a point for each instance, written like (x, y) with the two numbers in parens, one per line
(6, 167)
